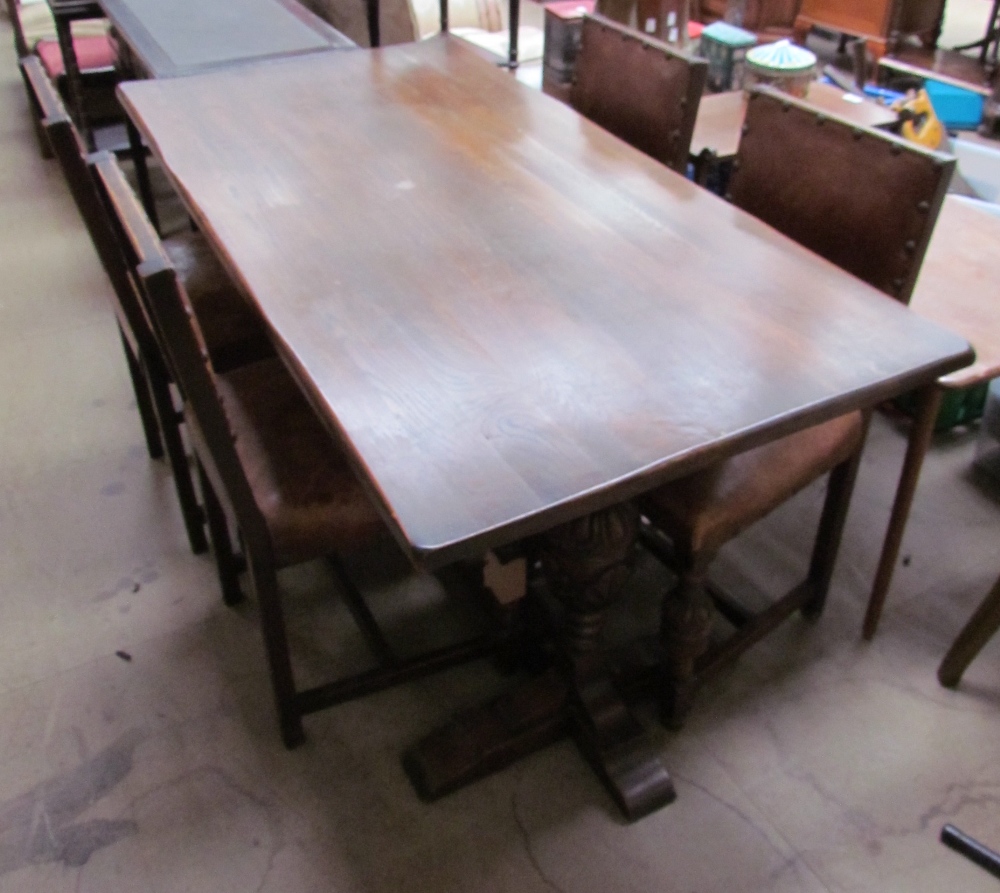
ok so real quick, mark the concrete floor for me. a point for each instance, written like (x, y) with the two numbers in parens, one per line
(138, 749)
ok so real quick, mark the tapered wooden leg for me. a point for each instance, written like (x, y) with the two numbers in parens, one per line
(920, 440)
(831, 528)
(974, 635)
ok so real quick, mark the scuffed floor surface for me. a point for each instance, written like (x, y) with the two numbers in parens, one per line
(138, 749)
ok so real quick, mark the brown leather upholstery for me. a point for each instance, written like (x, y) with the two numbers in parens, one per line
(309, 497)
(233, 330)
(705, 510)
(866, 201)
(639, 89)
(861, 198)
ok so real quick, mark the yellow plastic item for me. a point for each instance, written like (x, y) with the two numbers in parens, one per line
(921, 125)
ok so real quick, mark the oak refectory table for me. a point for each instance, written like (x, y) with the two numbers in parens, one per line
(515, 323)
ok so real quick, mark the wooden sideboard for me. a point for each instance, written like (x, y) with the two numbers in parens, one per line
(765, 17)
(880, 23)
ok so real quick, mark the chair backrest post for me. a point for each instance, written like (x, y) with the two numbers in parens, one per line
(68, 148)
(862, 198)
(20, 41)
(176, 327)
(638, 88)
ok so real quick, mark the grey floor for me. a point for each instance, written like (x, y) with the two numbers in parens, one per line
(138, 749)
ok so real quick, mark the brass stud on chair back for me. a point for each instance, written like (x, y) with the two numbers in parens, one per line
(639, 89)
(862, 198)
(866, 201)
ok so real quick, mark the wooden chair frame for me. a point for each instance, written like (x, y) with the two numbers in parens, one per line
(223, 477)
(757, 186)
(602, 98)
(151, 381)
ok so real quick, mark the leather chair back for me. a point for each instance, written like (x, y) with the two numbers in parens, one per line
(639, 89)
(862, 198)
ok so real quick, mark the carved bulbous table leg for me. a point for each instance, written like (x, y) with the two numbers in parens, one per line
(685, 631)
(586, 567)
(586, 564)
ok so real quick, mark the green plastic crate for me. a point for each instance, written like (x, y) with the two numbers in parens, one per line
(957, 408)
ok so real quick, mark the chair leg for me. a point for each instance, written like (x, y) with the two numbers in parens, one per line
(831, 528)
(227, 563)
(974, 635)
(147, 414)
(272, 620)
(169, 419)
(685, 633)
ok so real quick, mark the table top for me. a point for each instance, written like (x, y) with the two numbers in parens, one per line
(510, 317)
(959, 285)
(946, 66)
(187, 36)
(720, 116)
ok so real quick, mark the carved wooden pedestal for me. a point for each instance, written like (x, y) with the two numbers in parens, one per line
(585, 566)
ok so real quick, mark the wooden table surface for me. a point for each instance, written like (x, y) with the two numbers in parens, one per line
(959, 285)
(187, 36)
(510, 317)
(957, 288)
(720, 116)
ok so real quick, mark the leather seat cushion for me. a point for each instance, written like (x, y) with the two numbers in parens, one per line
(703, 511)
(310, 498)
(234, 331)
(91, 53)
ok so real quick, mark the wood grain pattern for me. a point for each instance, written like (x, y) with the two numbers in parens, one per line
(958, 288)
(511, 317)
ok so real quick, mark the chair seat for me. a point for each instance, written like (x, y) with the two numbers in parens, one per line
(703, 511)
(37, 23)
(92, 54)
(234, 332)
(310, 498)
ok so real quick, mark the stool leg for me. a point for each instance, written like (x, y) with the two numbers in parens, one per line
(974, 635)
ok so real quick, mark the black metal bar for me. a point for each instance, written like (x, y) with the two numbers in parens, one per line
(372, 9)
(992, 36)
(514, 21)
(972, 849)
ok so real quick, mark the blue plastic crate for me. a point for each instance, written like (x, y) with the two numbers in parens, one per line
(958, 109)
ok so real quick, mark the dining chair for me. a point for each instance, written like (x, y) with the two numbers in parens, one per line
(862, 198)
(265, 459)
(235, 332)
(866, 201)
(979, 629)
(638, 88)
(94, 49)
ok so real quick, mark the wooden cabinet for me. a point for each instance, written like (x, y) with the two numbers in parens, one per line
(766, 17)
(881, 23)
